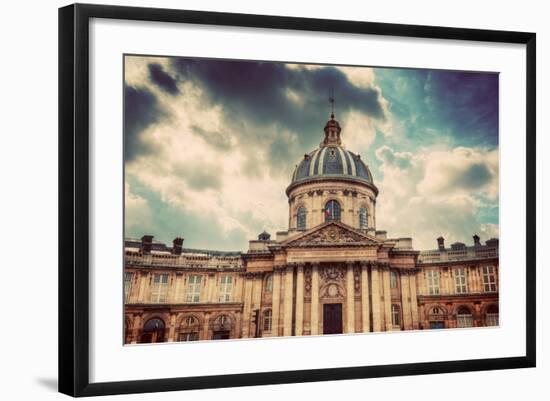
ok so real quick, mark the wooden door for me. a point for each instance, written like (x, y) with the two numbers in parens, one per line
(332, 318)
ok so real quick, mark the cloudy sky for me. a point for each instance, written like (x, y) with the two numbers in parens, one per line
(210, 146)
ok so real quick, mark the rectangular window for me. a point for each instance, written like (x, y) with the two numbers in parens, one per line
(159, 288)
(127, 285)
(226, 284)
(393, 279)
(492, 319)
(460, 281)
(194, 288)
(433, 282)
(188, 337)
(464, 320)
(489, 279)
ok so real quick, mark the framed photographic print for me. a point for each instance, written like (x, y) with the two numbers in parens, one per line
(278, 199)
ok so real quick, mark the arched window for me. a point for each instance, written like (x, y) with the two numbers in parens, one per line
(189, 330)
(395, 315)
(267, 320)
(363, 218)
(301, 218)
(393, 279)
(332, 211)
(491, 317)
(153, 331)
(464, 318)
(269, 283)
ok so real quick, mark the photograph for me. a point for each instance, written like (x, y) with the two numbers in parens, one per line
(274, 199)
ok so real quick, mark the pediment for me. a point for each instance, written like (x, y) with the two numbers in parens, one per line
(331, 234)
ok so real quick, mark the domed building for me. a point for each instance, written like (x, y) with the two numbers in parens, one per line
(331, 271)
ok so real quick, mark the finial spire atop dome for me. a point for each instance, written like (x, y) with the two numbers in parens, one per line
(332, 128)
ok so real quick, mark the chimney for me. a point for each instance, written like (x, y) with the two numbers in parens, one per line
(476, 240)
(177, 246)
(146, 244)
(441, 243)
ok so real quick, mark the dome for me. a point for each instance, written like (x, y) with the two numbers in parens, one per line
(331, 161)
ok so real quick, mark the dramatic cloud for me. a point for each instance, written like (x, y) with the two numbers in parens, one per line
(141, 109)
(162, 79)
(210, 146)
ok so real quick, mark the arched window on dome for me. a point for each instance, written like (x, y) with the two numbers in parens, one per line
(363, 218)
(301, 218)
(332, 211)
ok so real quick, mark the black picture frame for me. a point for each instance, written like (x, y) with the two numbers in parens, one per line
(74, 194)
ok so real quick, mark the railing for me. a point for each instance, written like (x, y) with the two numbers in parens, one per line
(195, 261)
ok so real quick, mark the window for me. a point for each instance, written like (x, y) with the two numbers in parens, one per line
(159, 289)
(190, 321)
(393, 279)
(267, 320)
(489, 279)
(194, 336)
(460, 281)
(363, 218)
(301, 218)
(226, 284)
(464, 318)
(127, 285)
(332, 211)
(491, 317)
(433, 282)
(396, 315)
(194, 288)
(269, 283)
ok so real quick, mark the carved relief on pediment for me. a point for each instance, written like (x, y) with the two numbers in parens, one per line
(328, 236)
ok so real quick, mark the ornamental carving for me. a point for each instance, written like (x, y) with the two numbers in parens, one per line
(357, 280)
(332, 291)
(331, 235)
(307, 282)
(332, 273)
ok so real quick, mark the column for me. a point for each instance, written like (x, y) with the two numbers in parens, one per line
(387, 298)
(406, 300)
(287, 302)
(376, 318)
(315, 300)
(365, 316)
(275, 303)
(299, 300)
(211, 284)
(414, 301)
(247, 306)
(350, 299)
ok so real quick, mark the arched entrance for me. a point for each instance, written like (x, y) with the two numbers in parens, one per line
(153, 331)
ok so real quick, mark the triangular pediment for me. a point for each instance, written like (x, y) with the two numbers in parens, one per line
(331, 234)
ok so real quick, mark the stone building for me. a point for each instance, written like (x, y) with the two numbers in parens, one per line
(331, 272)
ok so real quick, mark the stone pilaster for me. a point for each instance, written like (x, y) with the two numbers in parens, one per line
(406, 300)
(172, 328)
(136, 328)
(275, 303)
(415, 318)
(387, 298)
(375, 281)
(299, 300)
(247, 308)
(350, 299)
(142, 287)
(206, 327)
(365, 315)
(315, 300)
(287, 301)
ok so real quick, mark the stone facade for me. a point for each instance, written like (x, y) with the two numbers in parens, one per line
(331, 272)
